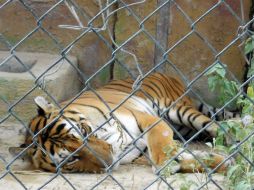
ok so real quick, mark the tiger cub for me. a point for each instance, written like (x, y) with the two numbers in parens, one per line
(100, 130)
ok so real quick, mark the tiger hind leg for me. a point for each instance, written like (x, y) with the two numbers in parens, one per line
(160, 136)
(221, 114)
(192, 118)
(184, 115)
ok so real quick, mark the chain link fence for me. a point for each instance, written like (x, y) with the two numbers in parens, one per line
(89, 43)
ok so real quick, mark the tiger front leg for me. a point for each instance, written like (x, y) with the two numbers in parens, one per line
(94, 159)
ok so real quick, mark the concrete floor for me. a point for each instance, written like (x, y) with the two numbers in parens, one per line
(131, 177)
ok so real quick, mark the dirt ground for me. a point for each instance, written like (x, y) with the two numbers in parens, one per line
(129, 177)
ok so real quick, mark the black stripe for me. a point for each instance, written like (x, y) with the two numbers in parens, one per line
(180, 127)
(196, 116)
(71, 111)
(71, 118)
(45, 122)
(52, 152)
(140, 128)
(217, 118)
(209, 114)
(129, 82)
(167, 91)
(50, 127)
(190, 122)
(185, 111)
(235, 114)
(60, 128)
(178, 114)
(82, 118)
(107, 137)
(49, 115)
(45, 169)
(205, 123)
(111, 86)
(68, 130)
(157, 87)
(45, 133)
(214, 110)
(186, 136)
(34, 152)
(44, 159)
(174, 89)
(42, 152)
(200, 108)
(44, 138)
(38, 124)
(148, 86)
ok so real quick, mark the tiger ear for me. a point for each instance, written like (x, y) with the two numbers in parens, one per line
(44, 106)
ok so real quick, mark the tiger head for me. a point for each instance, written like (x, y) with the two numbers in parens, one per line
(63, 140)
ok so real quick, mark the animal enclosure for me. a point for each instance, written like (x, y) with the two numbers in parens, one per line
(61, 49)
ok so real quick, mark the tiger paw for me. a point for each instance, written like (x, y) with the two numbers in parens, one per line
(168, 169)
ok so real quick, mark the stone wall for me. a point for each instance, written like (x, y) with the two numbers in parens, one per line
(191, 56)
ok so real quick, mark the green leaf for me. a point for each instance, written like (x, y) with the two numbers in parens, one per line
(250, 92)
(213, 82)
(251, 69)
(217, 69)
(243, 185)
(221, 148)
(232, 170)
(219, 141)
(249, 46)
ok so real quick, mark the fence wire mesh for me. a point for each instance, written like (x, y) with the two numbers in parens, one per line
(115, 39)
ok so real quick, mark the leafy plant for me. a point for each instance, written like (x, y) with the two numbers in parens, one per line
(217, 82)
(247, 103)
(241, 175)
(236, 135)
(248, 50)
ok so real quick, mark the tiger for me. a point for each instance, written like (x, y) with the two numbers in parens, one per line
(101, 129)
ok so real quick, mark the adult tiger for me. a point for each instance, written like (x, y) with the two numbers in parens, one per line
(94, 132)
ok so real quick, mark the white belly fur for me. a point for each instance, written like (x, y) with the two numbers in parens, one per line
(120, 139)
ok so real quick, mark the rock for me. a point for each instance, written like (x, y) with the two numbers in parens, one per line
(61, 82)
(193, 54)
(91, 50)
